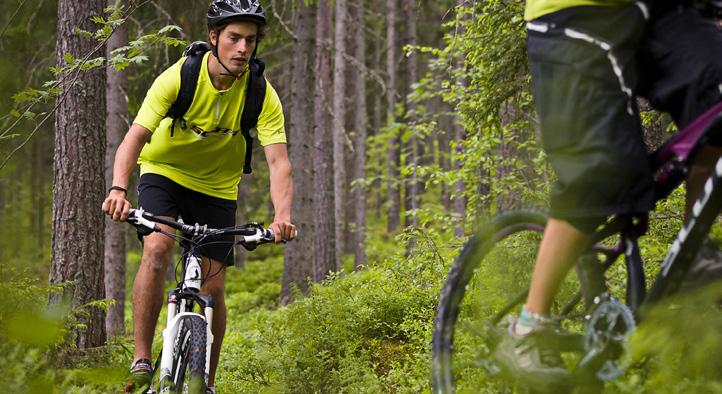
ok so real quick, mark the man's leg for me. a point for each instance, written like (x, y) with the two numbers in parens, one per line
(519, 353)
(562, 243)
(148, 290)
(700, 171)
(215, 286)
(561, 246)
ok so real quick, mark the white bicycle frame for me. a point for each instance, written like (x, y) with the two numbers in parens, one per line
(192, 281)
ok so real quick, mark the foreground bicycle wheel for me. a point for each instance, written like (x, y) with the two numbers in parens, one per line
(476, 299)
(189, 359)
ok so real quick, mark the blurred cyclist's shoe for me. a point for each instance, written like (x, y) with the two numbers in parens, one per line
(531, 362)
(706, 267)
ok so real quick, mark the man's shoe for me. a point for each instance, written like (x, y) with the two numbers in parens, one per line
(526, 359)
(707, 266)
(141, 375)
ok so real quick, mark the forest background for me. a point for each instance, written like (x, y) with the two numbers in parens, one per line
(408, 123)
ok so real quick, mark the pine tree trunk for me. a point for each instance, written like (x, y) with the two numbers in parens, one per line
(414, 186)
(506, 151)
(117, 125)
(78, 222)
(377, 124)
(394, 153)
(459, 200)
(339, 133)
(359, 122)
(460, 135)
(323, 203)
(299, 256)
(445, 154)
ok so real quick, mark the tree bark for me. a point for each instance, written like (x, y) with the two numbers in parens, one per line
(77, 241)
(299, 256)
(506, 153)
(414, 186)
(360, 124)
(117, 125)
(394, 155)
(377, 124)
(339, 133)
(459, 199)
(460, 135)
(445, 154)
(323, 202)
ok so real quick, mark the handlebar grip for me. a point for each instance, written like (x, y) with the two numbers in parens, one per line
(269, 234)
(272, 236)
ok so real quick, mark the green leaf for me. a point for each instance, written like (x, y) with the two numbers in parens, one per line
(68, 57)
(33, 329)
(169, 28)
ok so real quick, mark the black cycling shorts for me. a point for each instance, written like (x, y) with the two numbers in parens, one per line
(163, 197)
(588, 65)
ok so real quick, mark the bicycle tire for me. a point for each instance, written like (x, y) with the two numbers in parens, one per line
(525, 226)
(189, 358)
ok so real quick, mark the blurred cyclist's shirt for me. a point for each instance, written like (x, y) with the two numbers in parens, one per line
(537, 8)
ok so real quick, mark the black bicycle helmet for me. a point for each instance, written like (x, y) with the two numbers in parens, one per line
(222, 11)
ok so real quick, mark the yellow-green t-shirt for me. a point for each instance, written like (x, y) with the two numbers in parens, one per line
(207, 154)
(537, 8)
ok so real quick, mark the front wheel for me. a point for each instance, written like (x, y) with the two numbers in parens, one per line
(189, 359)
(477, 299)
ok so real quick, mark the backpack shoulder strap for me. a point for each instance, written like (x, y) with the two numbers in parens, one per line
(255, 94)
(190, 69)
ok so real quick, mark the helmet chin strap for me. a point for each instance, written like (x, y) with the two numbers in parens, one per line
(230, 73)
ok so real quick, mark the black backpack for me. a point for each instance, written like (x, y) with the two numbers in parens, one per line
(255, 93)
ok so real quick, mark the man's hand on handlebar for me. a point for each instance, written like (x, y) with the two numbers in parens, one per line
(283, 230)
(116, 205)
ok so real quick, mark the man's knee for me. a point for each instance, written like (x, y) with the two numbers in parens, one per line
(214, 282)
(157, 253)
(215, 289)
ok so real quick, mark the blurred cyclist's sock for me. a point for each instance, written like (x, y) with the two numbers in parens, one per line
(529, 321)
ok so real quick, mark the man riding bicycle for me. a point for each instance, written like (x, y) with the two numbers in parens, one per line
(589, 61)
(191, 168)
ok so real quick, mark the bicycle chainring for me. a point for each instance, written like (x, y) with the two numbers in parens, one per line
(608, 328)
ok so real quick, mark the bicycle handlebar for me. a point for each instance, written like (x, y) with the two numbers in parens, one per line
(252, 234)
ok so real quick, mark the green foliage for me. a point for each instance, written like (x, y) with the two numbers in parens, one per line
(66, 75)
(367, 331)
(256, 285)
(675, 346)
(354, 333)
(33, 337)
(481, 75)
(26, 133)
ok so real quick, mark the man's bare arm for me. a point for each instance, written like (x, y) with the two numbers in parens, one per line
(116, 204)
(281, 190)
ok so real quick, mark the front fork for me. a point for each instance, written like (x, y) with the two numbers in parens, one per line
(172, 328)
